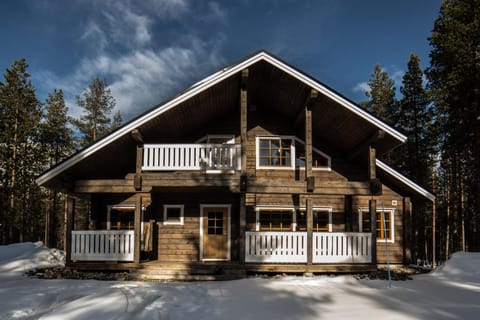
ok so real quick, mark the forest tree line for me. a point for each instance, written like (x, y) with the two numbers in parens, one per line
(438, 109)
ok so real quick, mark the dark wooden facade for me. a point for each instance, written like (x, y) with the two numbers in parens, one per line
(260, 100)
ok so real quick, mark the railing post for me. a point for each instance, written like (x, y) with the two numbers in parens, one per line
(309, 231)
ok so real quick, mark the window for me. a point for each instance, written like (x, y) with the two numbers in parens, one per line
(215, 222)
(121, 218)
(276, 220)
(173, 214)
(274, 152)
(322, 220)
(384, 223)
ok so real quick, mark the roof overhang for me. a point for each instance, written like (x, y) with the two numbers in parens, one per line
(404, 180)
(207, 83)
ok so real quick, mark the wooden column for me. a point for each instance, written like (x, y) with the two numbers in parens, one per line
(348, 210)
(408, 228)
(308, 141)
(243, 186)
(243, 120)
(69, 224)
(372, 204)
(137, 230)
(309, 231)
(242, 229)
(372, 172)
(138, 138)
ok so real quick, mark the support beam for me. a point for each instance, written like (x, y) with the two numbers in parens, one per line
(242, 229)
(372, 169)
(309, 207)
(137, 136)
(137, 180)
(137, 230)
(311, 99)
(359, 148)
(243, 119)
(69, 222)
(372, 205)
(309, 141)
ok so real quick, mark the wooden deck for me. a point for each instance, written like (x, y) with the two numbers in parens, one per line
(198, 271)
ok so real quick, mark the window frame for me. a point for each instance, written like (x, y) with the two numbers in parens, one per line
(293, 155)
(328, 210)
(270, 208)
(174, 206)
(391, 211)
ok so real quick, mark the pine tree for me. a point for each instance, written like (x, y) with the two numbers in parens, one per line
(117, 121)
(20, 157)
(382, 102)
(454, 76)
(417, 154)
(57, 144)
(97, 103)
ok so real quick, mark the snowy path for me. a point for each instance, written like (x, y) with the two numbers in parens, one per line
(452, 292)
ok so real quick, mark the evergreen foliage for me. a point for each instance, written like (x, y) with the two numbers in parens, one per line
(97, 103)
(454, 76)
(382, 95)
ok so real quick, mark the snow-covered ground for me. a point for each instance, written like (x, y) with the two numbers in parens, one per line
(450, 292)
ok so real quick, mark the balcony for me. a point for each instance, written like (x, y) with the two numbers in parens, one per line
(172, 157)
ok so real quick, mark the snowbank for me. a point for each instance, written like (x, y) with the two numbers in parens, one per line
(22, 257)
(462, 266)
(429, 296)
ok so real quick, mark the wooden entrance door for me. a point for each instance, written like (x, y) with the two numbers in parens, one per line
(215, 233)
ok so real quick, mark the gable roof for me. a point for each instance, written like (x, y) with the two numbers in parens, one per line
(207, 83)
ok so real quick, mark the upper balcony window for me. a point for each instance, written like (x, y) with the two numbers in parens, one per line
(275, 152)
(287, 152)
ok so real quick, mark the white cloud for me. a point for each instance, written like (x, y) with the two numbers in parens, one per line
(361, 87)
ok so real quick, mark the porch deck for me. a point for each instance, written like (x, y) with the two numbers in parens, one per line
(207, 271)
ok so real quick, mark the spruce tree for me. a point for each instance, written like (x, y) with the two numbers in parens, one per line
(57, 144)
(454, 76)
(382, 102)
(97, 103)
(20, 153)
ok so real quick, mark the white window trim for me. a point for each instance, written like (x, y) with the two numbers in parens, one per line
(292, 154)
(127, 206)
(275, 208)
(165, 214)
(229, 209)
(323, 209)
(392, 221)
(295, 210)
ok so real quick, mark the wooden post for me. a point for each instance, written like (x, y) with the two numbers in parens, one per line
(309, 231)
(434, 264)
(137, 231)
(242, 229)
(372, 173)
(243, 142)
(308, 142)
(243, 119)
(372, 205)
(69, 223)
(348, 211)
(407, 231)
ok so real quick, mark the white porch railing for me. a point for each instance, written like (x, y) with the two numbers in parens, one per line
(157, 157)
(342, 247)
(103, 245)
(285, 247)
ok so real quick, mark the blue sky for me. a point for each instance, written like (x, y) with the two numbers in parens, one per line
(151, 49)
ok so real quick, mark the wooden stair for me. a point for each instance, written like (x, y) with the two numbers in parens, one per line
(187, 272)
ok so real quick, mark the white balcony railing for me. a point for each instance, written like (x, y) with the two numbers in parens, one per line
(157, 157)
(103, 245)
(342, 247)
(291, 247)
(276, 247)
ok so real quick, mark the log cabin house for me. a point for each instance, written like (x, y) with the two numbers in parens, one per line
(256, 168)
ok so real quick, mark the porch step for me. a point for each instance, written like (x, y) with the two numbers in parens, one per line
(187, 272)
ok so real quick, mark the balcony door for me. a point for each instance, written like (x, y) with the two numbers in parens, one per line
(215, 232)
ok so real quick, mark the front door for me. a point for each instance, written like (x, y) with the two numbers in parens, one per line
(215, 229)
